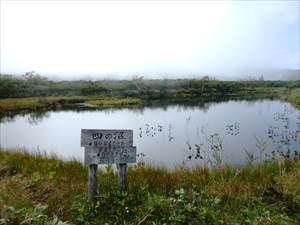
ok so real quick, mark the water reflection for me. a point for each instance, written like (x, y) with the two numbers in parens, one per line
(150, 130)
(37, 117)
(233, 129)
(170, 135)
(283, 134)
(194, 133)
(182, 105)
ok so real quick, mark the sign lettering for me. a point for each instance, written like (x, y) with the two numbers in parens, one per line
(108, 146)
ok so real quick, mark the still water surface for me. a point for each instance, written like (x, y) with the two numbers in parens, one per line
(170, 135)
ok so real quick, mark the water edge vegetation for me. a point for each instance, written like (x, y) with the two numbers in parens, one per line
(36, 92)
(40, 189)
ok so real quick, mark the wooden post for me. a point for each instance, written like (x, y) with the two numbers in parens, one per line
(122, 176)
(92, 183)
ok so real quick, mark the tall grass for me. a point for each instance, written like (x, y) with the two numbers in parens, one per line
(32, 103)
(267, 193)
(294, 96)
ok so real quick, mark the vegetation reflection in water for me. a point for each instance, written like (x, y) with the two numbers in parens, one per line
(210, 150)
(201, 142)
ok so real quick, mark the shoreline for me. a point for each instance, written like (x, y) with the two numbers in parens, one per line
(102, 102)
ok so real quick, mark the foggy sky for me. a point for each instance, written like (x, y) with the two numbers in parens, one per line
(120, 39)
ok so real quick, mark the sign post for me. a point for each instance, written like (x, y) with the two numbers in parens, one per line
(107, 146)
(92, 182)
(122, 176)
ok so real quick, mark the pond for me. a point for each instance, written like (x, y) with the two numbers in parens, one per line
(170, 135)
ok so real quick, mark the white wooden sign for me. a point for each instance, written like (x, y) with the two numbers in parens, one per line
(105, 138)
(108, 146)
(107, 155)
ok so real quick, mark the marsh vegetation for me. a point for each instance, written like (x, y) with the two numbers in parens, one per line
(36, 189)
(194, 123)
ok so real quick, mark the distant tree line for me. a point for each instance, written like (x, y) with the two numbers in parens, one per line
(33, 84)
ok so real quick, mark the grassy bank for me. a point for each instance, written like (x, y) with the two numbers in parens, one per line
(36, 92)
(54, 102)
(293, 96)
(34, 189)
(59, 102)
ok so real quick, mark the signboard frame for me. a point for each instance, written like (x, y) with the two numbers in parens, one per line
(105, 146)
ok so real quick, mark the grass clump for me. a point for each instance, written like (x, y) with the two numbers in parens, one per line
(53, 102)
(113, 101)
(294, 96)
(37, 102)
(267, 193)
(34, 215)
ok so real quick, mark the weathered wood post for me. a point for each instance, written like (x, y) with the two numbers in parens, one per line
(107, 146)
(92, 181)
(122, 176)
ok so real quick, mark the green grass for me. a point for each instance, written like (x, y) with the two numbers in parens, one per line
(37, 86)
(32, 103)
(36, 188)
(17, 93)
(112, 101)
(102, 101)
(36, 102)
(267, 193)
(294, 96)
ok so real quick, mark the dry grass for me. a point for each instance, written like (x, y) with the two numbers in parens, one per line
(113, 101)
(294, 97)
(27, 179)
(54, 101)
(36, 102)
